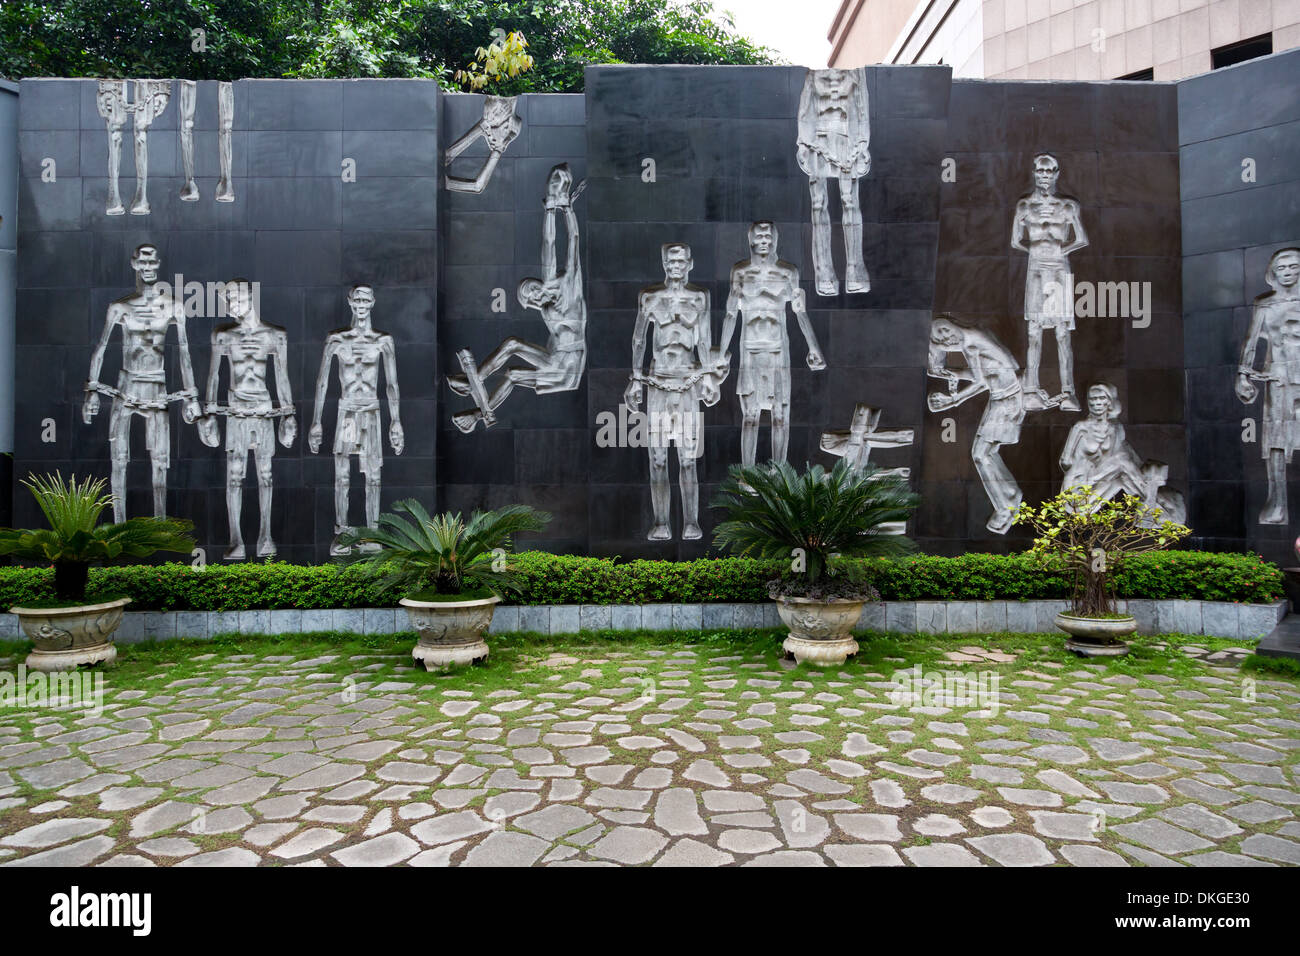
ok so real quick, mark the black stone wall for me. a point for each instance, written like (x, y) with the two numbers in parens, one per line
(1117, 147)
(295, 227)
(1231, 227)
(537, 453)
(723, 141)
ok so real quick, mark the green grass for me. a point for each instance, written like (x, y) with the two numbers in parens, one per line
(1286, 666)
(513, 655)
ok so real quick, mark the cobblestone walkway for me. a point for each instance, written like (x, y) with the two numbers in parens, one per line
(683, 755)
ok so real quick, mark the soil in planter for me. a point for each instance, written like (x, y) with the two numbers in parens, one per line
(478, 594)
(51, 604)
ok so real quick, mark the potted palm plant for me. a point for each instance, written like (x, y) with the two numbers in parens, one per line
(453, 572)
(819, 521)
(1090, 537)
(76, 628)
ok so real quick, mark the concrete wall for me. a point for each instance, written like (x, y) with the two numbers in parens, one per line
(1057, 39)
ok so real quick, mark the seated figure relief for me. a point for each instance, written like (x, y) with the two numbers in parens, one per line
(1097, 454)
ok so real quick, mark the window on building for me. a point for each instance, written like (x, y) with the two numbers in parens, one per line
(1240, 52)
(1147, 74)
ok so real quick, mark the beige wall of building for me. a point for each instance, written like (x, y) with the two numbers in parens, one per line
(864, 30)
(1058, 39)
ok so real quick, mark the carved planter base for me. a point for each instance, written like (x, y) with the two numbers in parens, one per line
(1097, 636)
(820, 631)
(451, 632)
(69, 637)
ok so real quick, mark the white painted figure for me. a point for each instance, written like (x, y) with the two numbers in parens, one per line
(557, 366)
(1275, 324)
(498, 128)
(991, 368)
(834, 141)
(360, 351)
(1097, 454)
(112, 105)
(855, 445)
(674, 316)
(1048, 227)
(247, 345)
(151, 97)
(225, 152)
(188, 102)
(144, 317)
(762, 288)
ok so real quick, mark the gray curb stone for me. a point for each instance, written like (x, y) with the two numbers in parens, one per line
(1245, 622)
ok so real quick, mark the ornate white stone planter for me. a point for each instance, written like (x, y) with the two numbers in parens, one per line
(67, 637)
(820, 631)
(451, 632)
(1097, 636)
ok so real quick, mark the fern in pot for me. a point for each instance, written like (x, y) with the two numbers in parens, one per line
(452, 573)
(75, 627)
(821, 522)
(1091, 537)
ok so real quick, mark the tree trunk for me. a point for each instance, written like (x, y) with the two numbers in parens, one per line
(70, 579)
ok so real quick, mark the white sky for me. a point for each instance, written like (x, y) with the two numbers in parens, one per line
(794, 28)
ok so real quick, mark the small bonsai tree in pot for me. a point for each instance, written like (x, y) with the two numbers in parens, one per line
(819, 522)
(75, 628)
(1090, 537)
(452, 573)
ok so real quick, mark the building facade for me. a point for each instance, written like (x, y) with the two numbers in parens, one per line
(1063, 39)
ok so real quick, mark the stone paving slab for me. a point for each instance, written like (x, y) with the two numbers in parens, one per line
(666, 755)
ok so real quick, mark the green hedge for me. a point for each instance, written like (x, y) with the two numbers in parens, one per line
(564, 579)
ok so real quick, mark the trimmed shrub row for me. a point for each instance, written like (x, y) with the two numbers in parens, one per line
(566, 579)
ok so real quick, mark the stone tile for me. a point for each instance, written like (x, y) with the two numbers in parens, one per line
(507, 848)
(941, 854)
(1013, 849)
(1161, 837)
(387, 850)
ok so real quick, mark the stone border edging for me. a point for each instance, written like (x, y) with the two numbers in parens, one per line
(1246, 622)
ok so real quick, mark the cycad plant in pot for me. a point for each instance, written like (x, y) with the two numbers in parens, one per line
(819, 522)
(75, 628)
(1090, 538)
(451, 572)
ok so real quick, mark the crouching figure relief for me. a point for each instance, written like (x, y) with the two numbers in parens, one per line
(990, 368)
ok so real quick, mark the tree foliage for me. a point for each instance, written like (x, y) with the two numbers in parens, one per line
(356, 38)
(1091, 537)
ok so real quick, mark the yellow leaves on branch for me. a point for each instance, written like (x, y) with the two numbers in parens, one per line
(1077, 523)
(505, 56)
